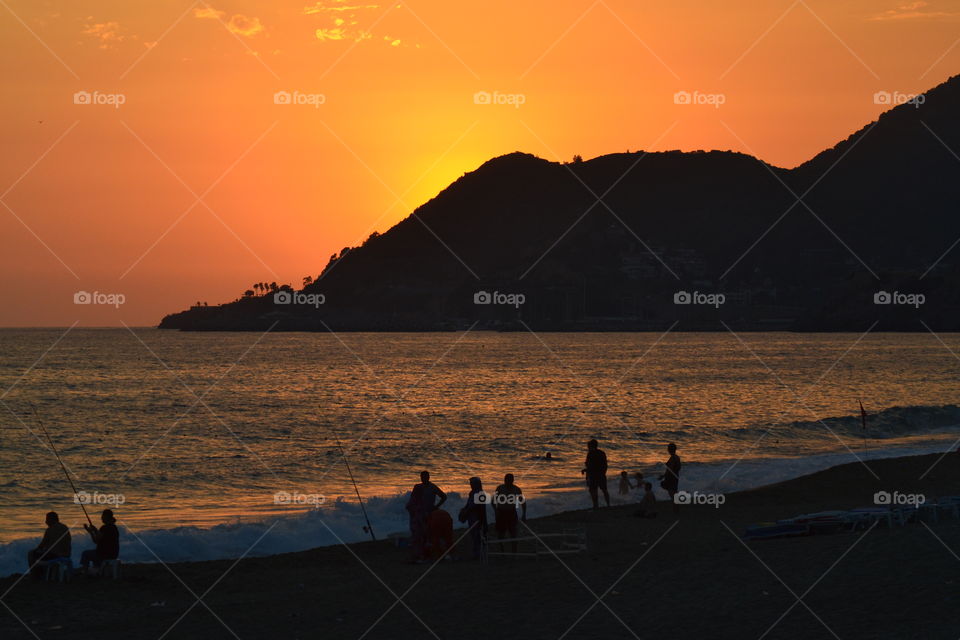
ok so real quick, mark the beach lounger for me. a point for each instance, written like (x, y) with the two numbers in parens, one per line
(891, 517)
(950, 504)
(570, 541)
(821, 522)
(933, 509)
(912, 513)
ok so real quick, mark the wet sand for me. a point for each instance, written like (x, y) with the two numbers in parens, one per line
(686, 576)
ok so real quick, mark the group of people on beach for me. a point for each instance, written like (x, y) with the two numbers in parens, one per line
(595, 470)
(55, 546)
(431, 527)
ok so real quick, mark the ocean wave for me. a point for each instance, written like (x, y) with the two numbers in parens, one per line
(341, 521)
(893, 422)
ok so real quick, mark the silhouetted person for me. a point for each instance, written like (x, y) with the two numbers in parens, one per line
(54, 545)
(505, 501)
(595, 468)
(474, 513)
(648, 503)
(422, 502)
(107, 539)
(670, 480)
(639, 478)
(624, 484)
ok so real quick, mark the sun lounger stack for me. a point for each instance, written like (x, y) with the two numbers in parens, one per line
(820, 522)
(926, 512)
(885, 515)
(855, 519)
(808, 524)
(767, 530)
(803, 525)
(949, 504)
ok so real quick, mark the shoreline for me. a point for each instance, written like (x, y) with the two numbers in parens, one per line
(697, 577)
(339, 521)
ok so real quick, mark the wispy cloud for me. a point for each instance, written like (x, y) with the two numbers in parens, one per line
(343, 21)
(240, 24)
(916, 10)
(107, 34)
(208, 12)
(336, 5)
(342, 33)
(245, 25)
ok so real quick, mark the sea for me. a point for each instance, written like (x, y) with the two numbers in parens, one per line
(225, 445)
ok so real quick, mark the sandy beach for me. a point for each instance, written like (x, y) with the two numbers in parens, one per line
(689, 576)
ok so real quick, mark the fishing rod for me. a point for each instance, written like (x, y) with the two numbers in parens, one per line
(76, 493)
(369, 527)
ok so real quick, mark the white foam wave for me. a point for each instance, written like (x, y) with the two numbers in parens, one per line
(342, 521)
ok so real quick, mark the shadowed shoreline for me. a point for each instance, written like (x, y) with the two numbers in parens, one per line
(690, 576)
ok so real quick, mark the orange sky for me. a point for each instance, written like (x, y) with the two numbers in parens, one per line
(98, 196)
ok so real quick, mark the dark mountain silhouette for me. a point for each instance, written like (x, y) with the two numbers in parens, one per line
(879, 212)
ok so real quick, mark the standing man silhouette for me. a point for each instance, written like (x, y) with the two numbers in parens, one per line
(595, 468)
(671, 477)
(505, 501)
(422, 502)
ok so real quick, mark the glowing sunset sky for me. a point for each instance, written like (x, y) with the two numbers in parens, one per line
(199, 184)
